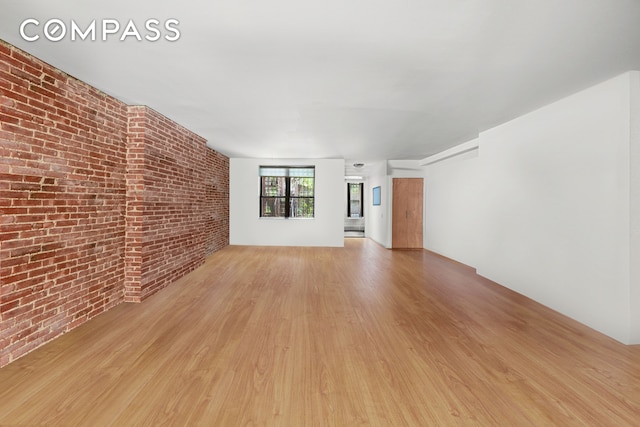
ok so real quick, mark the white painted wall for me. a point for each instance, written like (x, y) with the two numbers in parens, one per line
(247, 228)
(545, 208)
(634, 256)
(378, 218)
(451, 196)
(404, 168)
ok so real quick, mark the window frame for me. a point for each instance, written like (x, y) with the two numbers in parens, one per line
(360, 186)
(287, 196)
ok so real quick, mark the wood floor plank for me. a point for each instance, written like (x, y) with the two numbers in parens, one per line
(358, 335)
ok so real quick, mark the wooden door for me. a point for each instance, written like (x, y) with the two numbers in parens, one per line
(406, 230)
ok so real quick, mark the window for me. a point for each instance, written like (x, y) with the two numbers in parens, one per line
(287, 191)
(354, 200)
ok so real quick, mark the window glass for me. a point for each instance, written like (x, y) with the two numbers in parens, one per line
(287, 192)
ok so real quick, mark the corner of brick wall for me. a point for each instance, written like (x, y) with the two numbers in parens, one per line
(135, 203)
(183, 182)
(101, 202)
(217, 201)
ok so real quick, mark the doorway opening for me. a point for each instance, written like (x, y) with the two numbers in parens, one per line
(354, 212)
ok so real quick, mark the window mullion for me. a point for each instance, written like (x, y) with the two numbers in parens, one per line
(287, 201)
(261, 195)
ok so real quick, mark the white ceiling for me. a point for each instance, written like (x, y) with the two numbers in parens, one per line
(362, 80)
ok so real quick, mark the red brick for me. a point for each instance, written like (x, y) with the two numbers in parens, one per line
(25, 250)
(18, 310)
(9, 305)
(88, 185)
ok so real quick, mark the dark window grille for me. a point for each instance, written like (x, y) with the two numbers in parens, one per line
(287, 192)
(355, 200)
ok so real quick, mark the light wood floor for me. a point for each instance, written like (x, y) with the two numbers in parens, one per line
(327, 337)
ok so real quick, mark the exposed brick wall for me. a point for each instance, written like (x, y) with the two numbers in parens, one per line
(217, 201)
(100, 202)
(178, 203)
(62, 170)
(135, 204)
